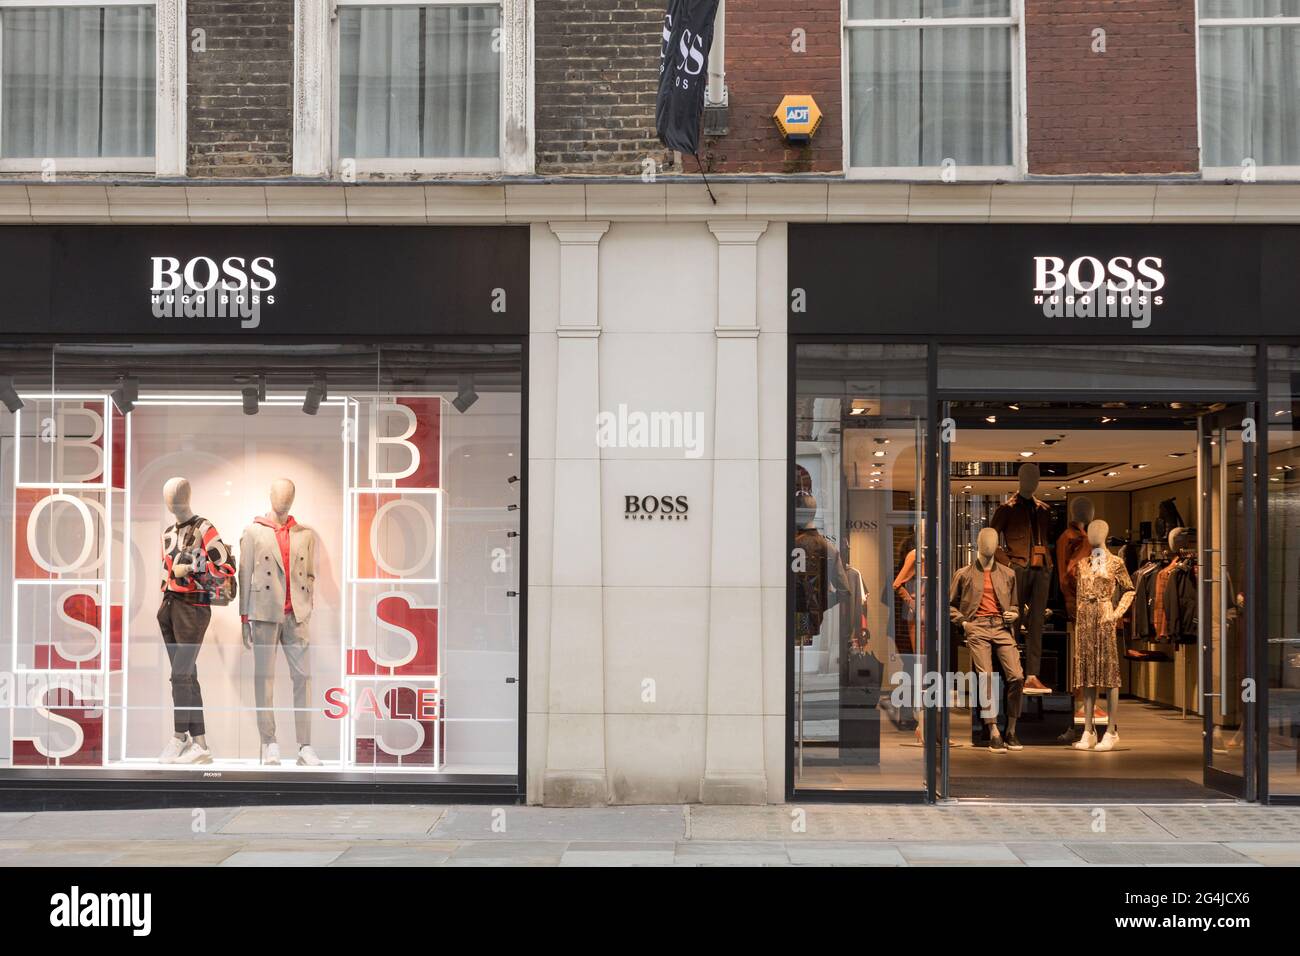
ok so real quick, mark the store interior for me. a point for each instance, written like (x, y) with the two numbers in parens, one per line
(1133, 466)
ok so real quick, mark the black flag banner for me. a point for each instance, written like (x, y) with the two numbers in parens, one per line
(683, 72)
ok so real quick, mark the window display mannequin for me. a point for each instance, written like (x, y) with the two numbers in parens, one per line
(1023, 523)
(983, 602)
(277, 578)
(823, 582)
(1104, 592)
(192, 554)
(1071, 547)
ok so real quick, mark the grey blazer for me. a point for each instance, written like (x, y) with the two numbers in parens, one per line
(262, 573)
(968, 588)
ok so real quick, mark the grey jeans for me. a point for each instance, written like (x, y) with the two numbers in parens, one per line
(291, 636)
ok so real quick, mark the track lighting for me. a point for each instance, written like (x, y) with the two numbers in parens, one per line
(9, 395)
(126, 393)
(317, 392)
(250, 399)
(465, 395)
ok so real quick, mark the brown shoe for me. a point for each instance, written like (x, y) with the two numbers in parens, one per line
(1034, 686)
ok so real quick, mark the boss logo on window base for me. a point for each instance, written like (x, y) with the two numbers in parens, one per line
(655, 507)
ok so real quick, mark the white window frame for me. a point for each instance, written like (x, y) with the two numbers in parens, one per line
(316, 115)
(168, 159)
(1234, 173)
(1017, 119)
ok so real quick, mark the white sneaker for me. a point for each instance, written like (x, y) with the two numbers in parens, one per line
(271, 754)
(194, 753)
(1087, 742)
(307, 757)
(175, 745)
(1108, 742)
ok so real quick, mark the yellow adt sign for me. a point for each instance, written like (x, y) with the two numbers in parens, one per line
(798, 117)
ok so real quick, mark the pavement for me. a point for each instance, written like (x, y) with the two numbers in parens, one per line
(818, 835)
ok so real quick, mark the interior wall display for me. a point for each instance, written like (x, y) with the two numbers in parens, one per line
(303, 560)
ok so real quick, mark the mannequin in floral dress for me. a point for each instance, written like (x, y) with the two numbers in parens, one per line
(1105, 591)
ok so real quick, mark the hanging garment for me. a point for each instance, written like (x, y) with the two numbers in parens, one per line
(1144, 601)
(1071, 546)
(1180, 612)
(1159, 613)
(1105, 592)
(819, 586)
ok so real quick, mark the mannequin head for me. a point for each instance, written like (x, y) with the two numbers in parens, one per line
(282, 492)
(1082, 512)
(1029, 477)
(986, 545)
(176, 498)
(1098, 532)
(805, 511)
(1178, 539)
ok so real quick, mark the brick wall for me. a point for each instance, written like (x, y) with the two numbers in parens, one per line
(1131, 109)
(240, 104)
(597, 74)
(762, 66)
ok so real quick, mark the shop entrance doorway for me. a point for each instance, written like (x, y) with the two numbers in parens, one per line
(1130, 530)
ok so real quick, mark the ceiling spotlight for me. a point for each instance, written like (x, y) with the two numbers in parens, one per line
(250, 393)
(1139, 467)
(1026, 454)
(1177, 454)
(1061, 487)
(124, 396)
(1085, 481)
(881, 441)
(1111, 474)
(311, 401)
(9, 395)
(857, 411)
(967, 487)
(1049, 442)
(991, 419)
(878, 454)
(1106, 420)
(1014, 407)
(465, 395)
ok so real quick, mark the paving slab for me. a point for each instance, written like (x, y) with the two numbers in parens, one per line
(1269, 854)
(162, 824)
(1229, 822)
(982, 854)
(622, 824)
(573, 857)
(508, 851)
(861, 854)
(10, 819)
(732, 853)
(333, 822)
(1159, 854)
(163, 853)
(386, 853)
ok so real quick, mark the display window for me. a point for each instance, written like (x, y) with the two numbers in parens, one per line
(1036, 572)
(230, 562)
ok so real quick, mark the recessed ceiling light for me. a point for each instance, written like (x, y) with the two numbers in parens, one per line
(1050, 441)
(1139, 467)
(1177, 454)
(1105, 420)
(1085, 481)
(857, 411)
(878, 454)
(967, 487)
(1026, 454)
(991, 419)
(1014, 407)
(1111, 474)
(1061, 487)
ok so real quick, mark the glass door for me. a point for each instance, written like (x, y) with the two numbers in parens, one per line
(1224, 572)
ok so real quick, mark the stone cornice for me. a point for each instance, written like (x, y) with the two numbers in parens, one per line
(523, 202)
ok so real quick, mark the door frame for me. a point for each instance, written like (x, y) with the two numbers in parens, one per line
(1252, 785)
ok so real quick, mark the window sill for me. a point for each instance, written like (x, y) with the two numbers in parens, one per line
(1235, 174)
(936, 174)
(79, 164)
(404, 168)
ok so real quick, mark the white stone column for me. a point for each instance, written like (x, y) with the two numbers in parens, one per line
(575, 753)
(734, 770)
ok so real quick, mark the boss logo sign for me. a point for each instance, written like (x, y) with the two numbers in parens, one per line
(655, 507)
(200, 288)
(1087, 273)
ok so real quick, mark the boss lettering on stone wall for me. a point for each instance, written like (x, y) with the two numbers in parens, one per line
(655, 507)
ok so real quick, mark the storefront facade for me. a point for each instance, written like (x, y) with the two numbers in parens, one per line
(945, 378)
(264, 507)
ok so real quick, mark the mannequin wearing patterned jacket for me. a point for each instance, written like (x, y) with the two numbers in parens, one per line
(1104, 593)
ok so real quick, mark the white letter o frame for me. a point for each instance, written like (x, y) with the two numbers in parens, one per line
(87, 545)
(430, 538)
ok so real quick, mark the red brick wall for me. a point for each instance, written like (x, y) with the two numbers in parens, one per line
(1131, 109)
(761, 68)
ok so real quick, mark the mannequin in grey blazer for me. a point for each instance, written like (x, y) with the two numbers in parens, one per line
(276, 593)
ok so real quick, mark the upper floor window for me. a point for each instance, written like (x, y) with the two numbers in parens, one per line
(931, 88)
(77, 86)
(420, 86)
(1250, 88)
